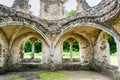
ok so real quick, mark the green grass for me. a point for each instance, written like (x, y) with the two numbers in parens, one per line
(37, 55)
(51, 75)
(16, 77)
(114, 59)
(67, 54)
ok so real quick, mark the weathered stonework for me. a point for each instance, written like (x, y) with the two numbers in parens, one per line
(88, 27)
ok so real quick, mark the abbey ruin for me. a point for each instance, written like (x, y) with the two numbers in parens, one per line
(90, 26)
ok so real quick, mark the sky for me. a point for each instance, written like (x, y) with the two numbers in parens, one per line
(70, 5)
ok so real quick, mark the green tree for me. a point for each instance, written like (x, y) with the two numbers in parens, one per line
(112, 44)
(28, 46)
(38, 46)
(75, 46)
(66, 46)
(71, 13)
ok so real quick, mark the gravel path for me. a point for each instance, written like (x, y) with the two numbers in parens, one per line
(70, 75)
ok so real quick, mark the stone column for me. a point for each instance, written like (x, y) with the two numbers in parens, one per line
(80, 51)
(101, 49)
(32, 54)
(21, 52)
(71, 54)
(118, 52)
(58, 54)
(84, 52)
(33, 41)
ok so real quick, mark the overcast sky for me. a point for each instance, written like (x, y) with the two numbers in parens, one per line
(70, 5)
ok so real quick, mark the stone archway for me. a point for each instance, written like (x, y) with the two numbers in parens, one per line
(109, 30)
(102, 49)
(16, 46)
(17, 23)
(85, 48)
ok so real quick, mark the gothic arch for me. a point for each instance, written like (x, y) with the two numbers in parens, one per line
(27, 25)
(109, 30)
(25, 36)
(81, 39)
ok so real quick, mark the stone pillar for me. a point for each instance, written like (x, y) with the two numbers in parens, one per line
(101, 49)
(32, 54)
(21, 5)
(80, 51)
(33, 41)
(45, 53)
(118, 52)
(1, 50)
(85, 53)
(82, 5)
(71, 54)
(58, 54)
(21, 52)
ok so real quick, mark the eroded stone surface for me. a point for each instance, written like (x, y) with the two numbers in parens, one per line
(87, 26)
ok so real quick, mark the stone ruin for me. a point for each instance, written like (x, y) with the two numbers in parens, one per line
(90, 26)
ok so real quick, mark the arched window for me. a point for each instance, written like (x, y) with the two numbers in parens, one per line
(33, 50)
(27, 49)
(113, 51)
(71, 51)
(75, 49)
(66, 49)
(38, 49)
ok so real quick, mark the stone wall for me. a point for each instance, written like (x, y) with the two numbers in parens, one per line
(52, 31)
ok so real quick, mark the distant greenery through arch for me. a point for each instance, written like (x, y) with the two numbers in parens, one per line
(28, 46)
(112, 44)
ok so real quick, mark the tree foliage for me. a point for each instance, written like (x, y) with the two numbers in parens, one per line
(66, 46)
(38, 46)
(71, 13)
(28, 46)
(112, 44)
(75, 46)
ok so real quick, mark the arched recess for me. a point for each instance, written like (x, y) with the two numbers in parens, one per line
(16, 23)
(109, 29)
(102, 51)
(101, 48)
(16, 46)
(85, 47)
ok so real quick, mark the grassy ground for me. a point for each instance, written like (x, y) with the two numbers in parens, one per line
(37, 55)
(113, 57)
(58, 75)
